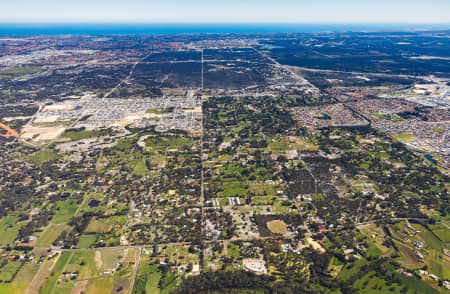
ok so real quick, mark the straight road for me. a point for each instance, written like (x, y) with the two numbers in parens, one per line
(133, 278)
(213, 241)
(128, 76)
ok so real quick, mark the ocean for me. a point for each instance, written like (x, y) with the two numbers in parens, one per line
(198, 28)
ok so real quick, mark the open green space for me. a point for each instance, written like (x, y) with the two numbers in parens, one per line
(233, 251)
(13, 288)
(50, 234)
(27, 273)
(43, 156)
(140, 167)
(170, 142)
(64, 211)
(76, 135)
(232, 189)
(86, 241)
(102, 285)
(371, 283)
(9, 228)
(147, 280)
(8, 271)
(442, 231)
(350, 269)
(56, 271)
(407, 138)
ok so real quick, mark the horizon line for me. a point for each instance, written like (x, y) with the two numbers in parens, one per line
(221, 22)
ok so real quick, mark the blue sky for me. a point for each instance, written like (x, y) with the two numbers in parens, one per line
(362, 11)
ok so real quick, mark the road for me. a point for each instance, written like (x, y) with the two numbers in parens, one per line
(10, 132)
(202, 179)
(393, 219)
(204, 242)
(133, 278)
(115, 247)
(202, 71)
(289, 69)
(213, 241)
(158, 244)
(128, 76)
(358, 73)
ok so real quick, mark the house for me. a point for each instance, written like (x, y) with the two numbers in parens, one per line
(348, 251)
(285, 247)
(418, 245)
(35, 211)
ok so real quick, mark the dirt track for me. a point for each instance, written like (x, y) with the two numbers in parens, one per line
(11, 132)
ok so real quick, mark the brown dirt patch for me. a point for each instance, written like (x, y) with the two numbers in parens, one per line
(121, 286)
(315, 245)
(277, 226)
(80, 287)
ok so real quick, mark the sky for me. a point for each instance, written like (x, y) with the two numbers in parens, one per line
(225, 11)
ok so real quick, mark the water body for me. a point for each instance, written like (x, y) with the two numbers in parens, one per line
(198, 28)
(324, 116)
(430, 158)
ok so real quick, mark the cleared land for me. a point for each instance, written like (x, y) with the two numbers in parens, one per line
(277, 226)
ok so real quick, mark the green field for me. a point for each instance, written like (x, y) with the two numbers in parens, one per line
(102, 285)
(263, 200)
(373, 251)
(372, 284)
(407, 256)
(418, 285)
(170, 142)
(279, 144)
(441, 231)
(407, 138)
(233, 189)
(91, 265)
(233, 251)
(21, 281)
(43, 156)
(64, 211)
(140, 168)
(76, 135)
(147, 279)
(350, 270)
(50, 234)
(9, 228)
(84, 262)
(54, 275)
(104, 225)
(20, 70)
(86, 241)
(429, 238)
(27, 273)
(111, 257)
(8, 271)
(99, 225)
(261, 189)
(13, 288)
(376, 237)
